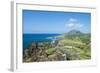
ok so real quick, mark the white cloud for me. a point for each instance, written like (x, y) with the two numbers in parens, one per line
(70, 25)
(73, 20)
(73, 23)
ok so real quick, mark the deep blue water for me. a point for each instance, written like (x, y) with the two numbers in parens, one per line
(29, 38)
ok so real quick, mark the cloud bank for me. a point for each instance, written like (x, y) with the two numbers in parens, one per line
(73, 23)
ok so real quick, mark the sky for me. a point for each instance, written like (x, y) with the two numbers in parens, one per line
(35, 21)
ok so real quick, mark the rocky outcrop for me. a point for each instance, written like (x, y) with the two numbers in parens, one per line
(38, 52)
(65, 49)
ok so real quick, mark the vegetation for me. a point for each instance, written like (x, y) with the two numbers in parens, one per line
(73, 45)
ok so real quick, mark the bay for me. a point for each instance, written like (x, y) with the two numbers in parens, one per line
(29, 38)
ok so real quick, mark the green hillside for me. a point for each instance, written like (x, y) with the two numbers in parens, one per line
(73, 45)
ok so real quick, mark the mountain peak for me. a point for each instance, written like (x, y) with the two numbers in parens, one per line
(74, 32)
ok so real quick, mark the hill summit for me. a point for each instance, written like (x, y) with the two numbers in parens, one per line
(74, 32)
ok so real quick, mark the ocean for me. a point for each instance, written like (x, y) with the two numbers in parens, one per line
(29, 38)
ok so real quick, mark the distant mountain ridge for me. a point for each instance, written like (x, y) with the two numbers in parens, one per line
(78, 35)
(75, 32)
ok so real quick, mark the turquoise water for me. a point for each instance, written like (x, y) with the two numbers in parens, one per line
(29, 38)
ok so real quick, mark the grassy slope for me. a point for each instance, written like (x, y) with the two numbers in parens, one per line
(78, 47)
(75, 47)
